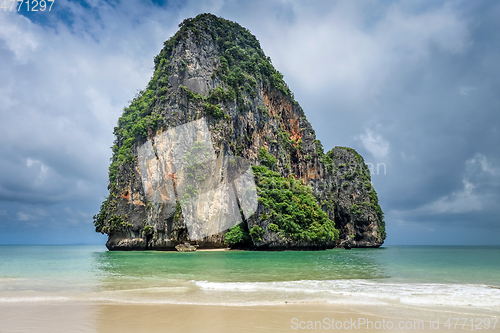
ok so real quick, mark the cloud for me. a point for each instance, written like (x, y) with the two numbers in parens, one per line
(474, 195)
(480, 164)
(466, 90)
(42, 174)
(19, 35)
(21, 216)
(463, 201)
(31, 213)
(417, 34)
(375, 144)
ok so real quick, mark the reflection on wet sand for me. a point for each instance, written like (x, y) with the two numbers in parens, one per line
(123, 318)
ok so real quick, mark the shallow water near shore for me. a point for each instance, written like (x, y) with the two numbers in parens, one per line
(428, 276)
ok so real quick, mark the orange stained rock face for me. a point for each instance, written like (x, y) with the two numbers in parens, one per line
(126, 195)
(288, 118)
(295, 134)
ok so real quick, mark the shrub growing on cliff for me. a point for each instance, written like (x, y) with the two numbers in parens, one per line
(219, 95)
(148, 230)
(236, 235)
(256, 231)
(214, 110)
(100, 217)
(189, 94)
(273, 227)
(267, 159)
(355, 209)
(264, 111)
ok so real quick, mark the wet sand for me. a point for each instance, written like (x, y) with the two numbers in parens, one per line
(107, 318)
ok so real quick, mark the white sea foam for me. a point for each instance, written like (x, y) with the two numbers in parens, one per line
(362, 291)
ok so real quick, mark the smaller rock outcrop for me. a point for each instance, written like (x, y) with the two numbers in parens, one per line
(186, 247)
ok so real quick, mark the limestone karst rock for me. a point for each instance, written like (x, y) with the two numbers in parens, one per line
(217, 141)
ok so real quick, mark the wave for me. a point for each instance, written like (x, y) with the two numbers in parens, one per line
(367, 292)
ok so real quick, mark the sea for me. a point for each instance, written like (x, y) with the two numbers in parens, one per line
(420, 276)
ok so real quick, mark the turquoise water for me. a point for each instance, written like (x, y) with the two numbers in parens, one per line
(441, 275)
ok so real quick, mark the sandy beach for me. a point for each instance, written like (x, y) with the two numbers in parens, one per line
(215, 250)
(107, 318)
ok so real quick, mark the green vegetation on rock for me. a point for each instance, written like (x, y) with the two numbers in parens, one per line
(236, 235)
(148, 230)
(100, 218)
(355, 209)
(293, 207)
(273, 227)
(267, 159)
(214, 110)
(256, 231)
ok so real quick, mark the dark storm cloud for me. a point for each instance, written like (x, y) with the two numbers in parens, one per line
(413, 86)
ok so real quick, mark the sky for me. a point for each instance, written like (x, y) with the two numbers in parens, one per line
(411, 85)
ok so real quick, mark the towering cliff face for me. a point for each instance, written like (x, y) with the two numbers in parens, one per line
(217, 141)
